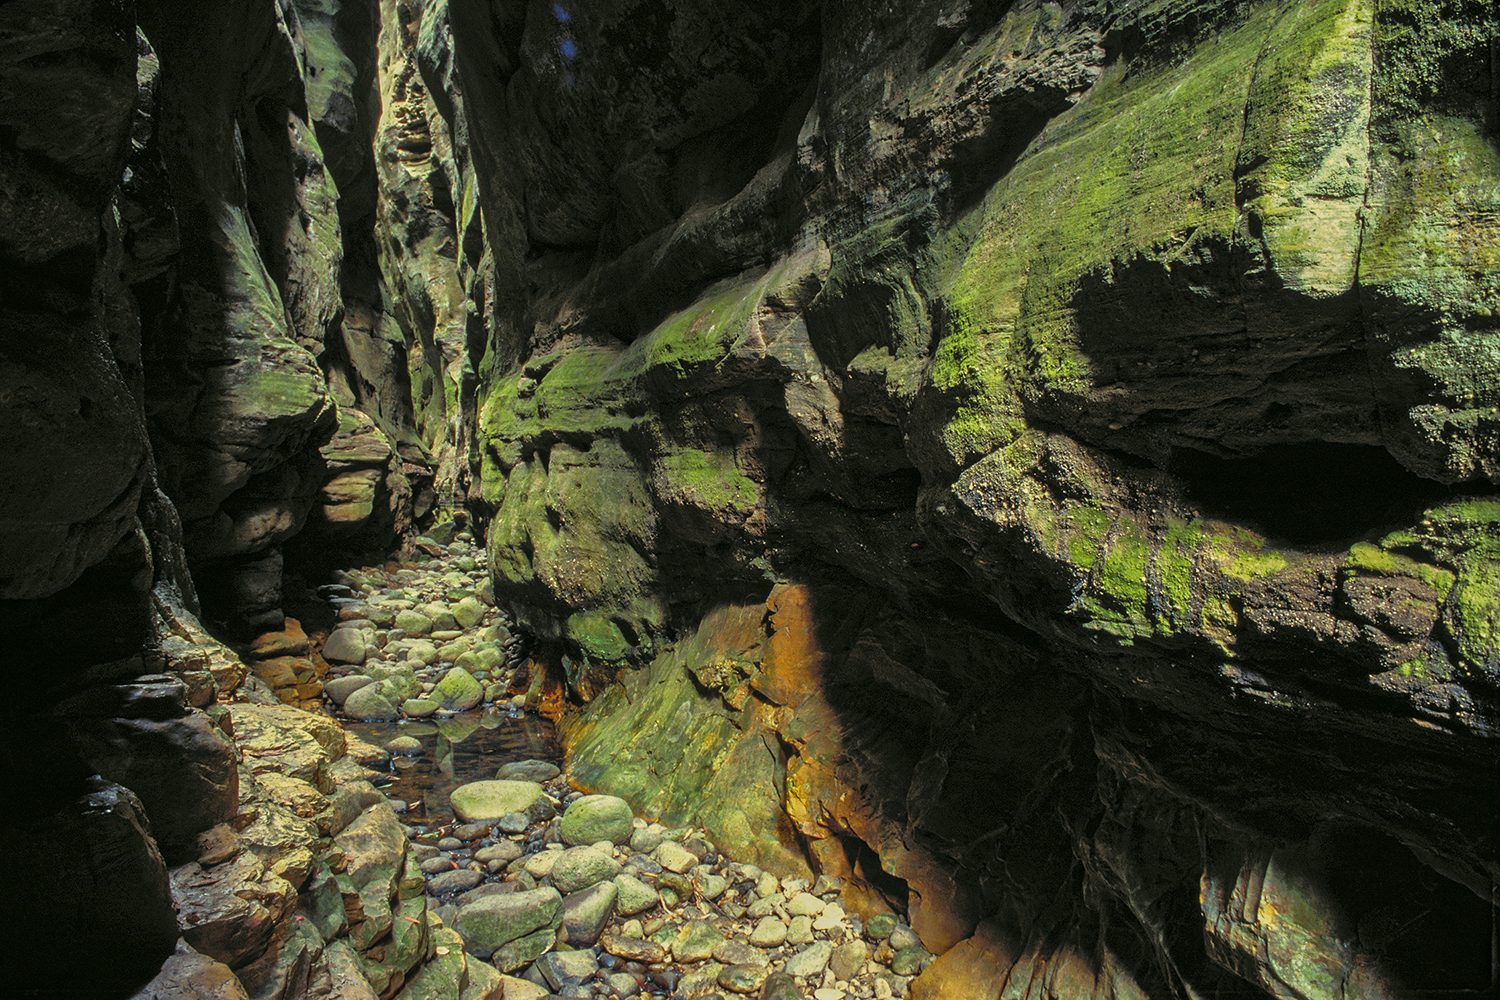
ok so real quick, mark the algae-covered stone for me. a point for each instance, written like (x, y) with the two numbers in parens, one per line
(848, 959)
(581, 867)
(369, 703)
(880, 926)
(593, 818)
(443, 976)
(674, 857)
(780, 986)
(340, 688)
(403, 746)
(810, 961)
(485, 983)
(564, 969)
(484, 801)
(413, 622)
(468, 612)
(635, 895)
(458, 691)
(701, 981)
(451, 652)
(907, 961)
(695, 941)
(512, 988)
(422, 653)
(586, 912)
(734, 952)
(743, 978)
(419, 708)
(490, 922)
(398, 681)
(523, 951)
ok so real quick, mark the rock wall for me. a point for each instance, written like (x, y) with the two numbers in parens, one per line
(184, 278)
(1046, 452)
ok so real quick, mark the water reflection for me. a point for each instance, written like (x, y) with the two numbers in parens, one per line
(455, 750)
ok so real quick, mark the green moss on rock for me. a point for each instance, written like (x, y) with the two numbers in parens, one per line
(707, 479)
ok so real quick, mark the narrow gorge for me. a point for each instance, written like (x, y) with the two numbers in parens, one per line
(959, 500)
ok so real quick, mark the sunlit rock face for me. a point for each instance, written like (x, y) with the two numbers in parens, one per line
(1104, 393)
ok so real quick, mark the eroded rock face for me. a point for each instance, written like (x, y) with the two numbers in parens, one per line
(1107, 393)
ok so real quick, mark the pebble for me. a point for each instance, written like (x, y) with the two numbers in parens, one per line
(810, 961)
(769, 933)
(908, 961)
(903, 937)
(460, 880)
(831, 918)
(441, 863)
(804, 904)
(675, 858)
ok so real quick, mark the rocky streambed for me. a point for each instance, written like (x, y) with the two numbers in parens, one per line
(529, 887)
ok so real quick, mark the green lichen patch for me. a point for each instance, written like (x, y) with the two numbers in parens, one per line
(701, 335)
(679, 753)
(1428, 46)
(1116, 598)
(1373, 560)
(1242, 555)
(1144, 169)
(597, 636)
(575, 530)
(1305, 159)
(709, 480)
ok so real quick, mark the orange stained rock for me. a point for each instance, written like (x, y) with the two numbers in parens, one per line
(549, 699)
(793, 666)
(975, 969)
(289, 640)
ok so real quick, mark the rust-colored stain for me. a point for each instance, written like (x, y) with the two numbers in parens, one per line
(794, 662)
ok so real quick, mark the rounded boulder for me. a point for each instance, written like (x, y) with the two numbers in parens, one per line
(486, 801)
(593, 818)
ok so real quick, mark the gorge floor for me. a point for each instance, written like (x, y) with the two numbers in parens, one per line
(562, 893)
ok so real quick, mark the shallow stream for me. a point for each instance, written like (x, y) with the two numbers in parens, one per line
(456, 750)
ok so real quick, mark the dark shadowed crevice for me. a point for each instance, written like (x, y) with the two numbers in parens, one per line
(1314, 494)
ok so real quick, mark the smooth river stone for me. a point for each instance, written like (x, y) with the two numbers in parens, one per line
(486, 801)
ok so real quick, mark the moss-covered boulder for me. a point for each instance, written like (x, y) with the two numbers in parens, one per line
(468, 612)
(369, 702)
(458, 691)
(593, 818)
(581, 868)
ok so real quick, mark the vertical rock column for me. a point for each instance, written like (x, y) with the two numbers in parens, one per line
(238, 405)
